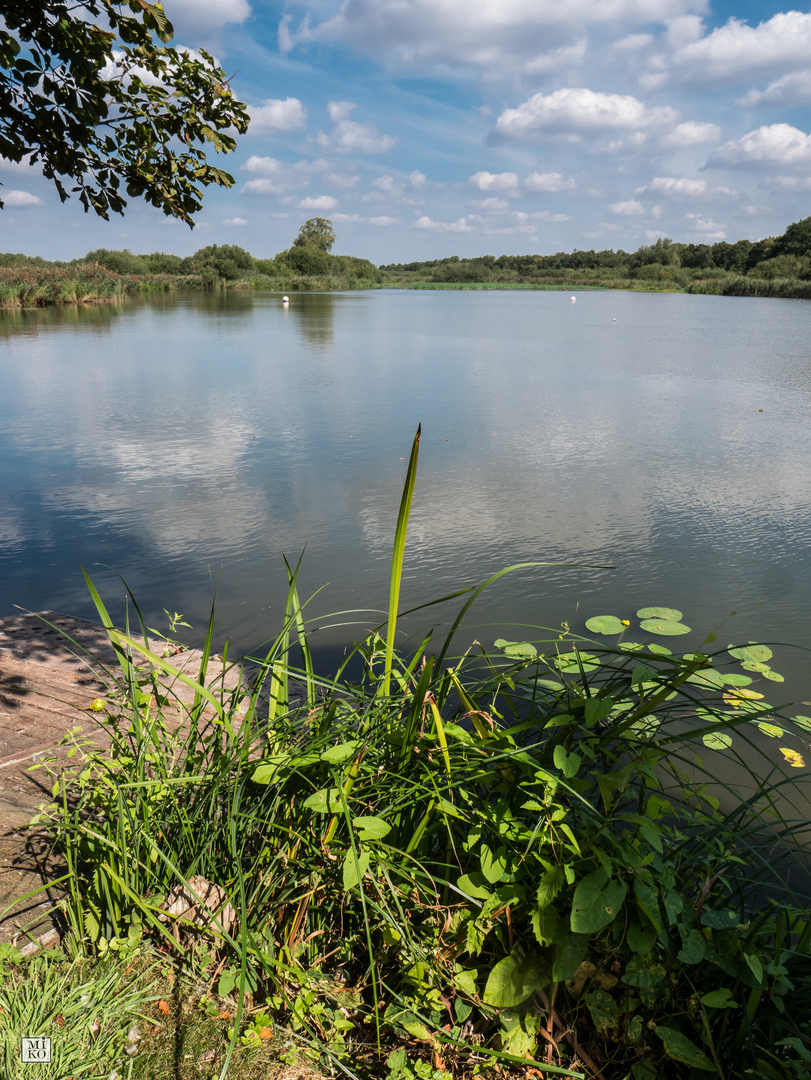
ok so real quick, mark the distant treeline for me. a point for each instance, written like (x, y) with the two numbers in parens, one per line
(778, 265)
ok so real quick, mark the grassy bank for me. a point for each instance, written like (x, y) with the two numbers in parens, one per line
(441, 865)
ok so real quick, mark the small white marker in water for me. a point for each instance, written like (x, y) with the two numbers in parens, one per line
(574, 299)
(285, 299)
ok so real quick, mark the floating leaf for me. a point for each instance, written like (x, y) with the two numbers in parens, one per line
(802, 721)
(711, 716)
(660, 650)
(751, 652)
(716, 740)
(709, 678)
(773, 676)
(772, 730)
(605, 624)
(794, 759)
(741, 693)
(734, 678)
(668, 613)
(631, 646)
(517, 650)
(754, 665)
(568, 662)
(666, 627)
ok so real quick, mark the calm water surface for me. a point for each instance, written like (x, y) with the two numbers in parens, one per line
(668, 436)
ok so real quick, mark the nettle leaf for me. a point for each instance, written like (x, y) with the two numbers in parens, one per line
(335, 755)
(669, 613)
(552, 881)
(679, 1048)
(516, 978)
(665, 627)
(597, 900)
(605, 624)
(354, 868)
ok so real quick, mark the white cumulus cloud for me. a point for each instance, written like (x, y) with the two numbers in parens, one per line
(632, 208)
(690, 133)
(675, 187)
(235, 221)
(551, 182)
(574, 112)
(19, 198)
(277, 114)
(349, 137)
(778, 145)
(207, 15)
(486, 181)
(793, 89)
(317, 202)
(738, 50)
(425, 222)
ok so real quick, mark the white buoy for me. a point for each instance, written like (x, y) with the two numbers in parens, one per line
(285, 299)
(574, 299)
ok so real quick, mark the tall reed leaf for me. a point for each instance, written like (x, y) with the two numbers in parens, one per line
(397, 560)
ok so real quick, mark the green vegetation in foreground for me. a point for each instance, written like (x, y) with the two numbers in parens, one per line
(439, 865)
(777, 266)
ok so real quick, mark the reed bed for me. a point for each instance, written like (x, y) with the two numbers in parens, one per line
(515, 859)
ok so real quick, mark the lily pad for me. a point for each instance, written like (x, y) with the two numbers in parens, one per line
(517, 650)
(802, 721)
(716, 740)
(605, 624)
(666, 627)
(631, 646)
(568, 662)
(794, 759)
(734, 678)
(772, 730)
(668, 613)
(660, 650)
(754, 665)
(752, 651)
(773, 676)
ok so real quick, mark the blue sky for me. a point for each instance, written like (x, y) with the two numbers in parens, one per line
(426, 128)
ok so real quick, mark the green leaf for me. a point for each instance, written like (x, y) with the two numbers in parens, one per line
(548, 926)
(325, 801)
(679, 1048)
(755, 966)
(719, 999)
(514, 979)
(803, 722)
(474, 885)
(569, 764)
(493, 863)
(371, 828)
(773, 676)
(571, 955)
(552, 881)
(604, 1010)
(751, 652)
(335, 755)
(354, 868)
(517, 650)
(665, 627)
(669, 613)
(692, 950)
(771, 730)
(641, 939)
(269, 769)
(605, 624)
(716, 740)
(596, 903)
(568, 662)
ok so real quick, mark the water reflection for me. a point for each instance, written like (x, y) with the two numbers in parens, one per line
(314, 314)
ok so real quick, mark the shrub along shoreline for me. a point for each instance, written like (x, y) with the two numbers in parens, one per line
(517, 858)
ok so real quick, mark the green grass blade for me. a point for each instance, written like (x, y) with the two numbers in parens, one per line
(398, 553)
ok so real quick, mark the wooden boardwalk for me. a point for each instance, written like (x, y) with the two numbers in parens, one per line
(51, 668)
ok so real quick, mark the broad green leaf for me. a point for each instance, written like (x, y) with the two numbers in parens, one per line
(518, 650)
(665, 627)
(716, 740)
(803, 722)
(269, 768)
(335, 755)
(719, 999)
(571, 661)
(354, 868)
(570, 956)
(755, 966)
(668, 613)
(772, 730)
(679, 1048)
(692, 950)
(605, 624)
(569, 764)
(604, 1010)
(465, 981)
(660, 650)
(514, 979)
(794, 759)
(734, 678)
(474, 885)
(325, 801)
(371, 828)
(597, 900)
(773, 676)
(751, 652)
(754, 665)
(493, 863)
(709, 678)
(641, 939)
(548, 926)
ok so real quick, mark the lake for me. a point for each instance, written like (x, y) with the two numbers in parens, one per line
(183, 440)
